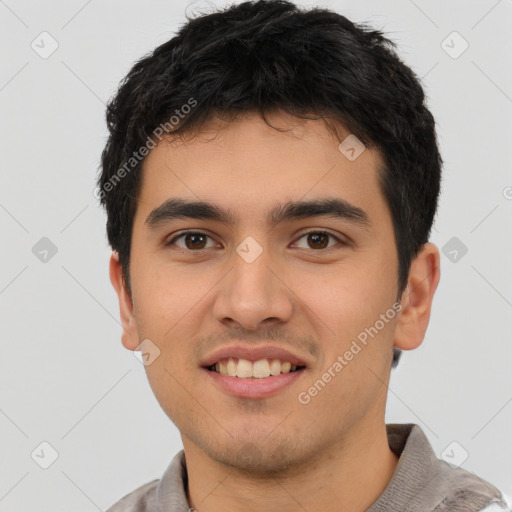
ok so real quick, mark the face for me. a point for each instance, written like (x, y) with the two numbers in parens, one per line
(309, 281)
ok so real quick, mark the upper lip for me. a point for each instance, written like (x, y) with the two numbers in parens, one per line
(252, 353)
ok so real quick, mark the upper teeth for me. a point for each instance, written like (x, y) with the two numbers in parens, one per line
(259, 369)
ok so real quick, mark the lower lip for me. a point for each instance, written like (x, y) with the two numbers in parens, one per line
(254, 388)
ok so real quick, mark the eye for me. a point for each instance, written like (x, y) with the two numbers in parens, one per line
(196, 241)
(319, 240)
(193, 241)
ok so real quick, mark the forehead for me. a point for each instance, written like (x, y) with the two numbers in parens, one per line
(246, 165)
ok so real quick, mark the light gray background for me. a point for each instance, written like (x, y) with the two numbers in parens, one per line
(65, 377)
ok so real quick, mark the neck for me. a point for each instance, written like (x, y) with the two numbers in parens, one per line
(347, 477)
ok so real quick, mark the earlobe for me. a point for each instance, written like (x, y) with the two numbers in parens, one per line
(130, 335)
(417, 299)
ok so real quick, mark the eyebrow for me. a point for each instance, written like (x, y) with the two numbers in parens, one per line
(176, 208)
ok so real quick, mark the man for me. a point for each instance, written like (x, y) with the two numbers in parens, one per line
(270, 180)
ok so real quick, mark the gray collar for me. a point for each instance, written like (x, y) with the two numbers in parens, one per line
(421, 482)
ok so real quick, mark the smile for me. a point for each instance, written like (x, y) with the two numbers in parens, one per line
(245, 369)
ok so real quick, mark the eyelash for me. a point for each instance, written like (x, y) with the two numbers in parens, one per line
(316, 232)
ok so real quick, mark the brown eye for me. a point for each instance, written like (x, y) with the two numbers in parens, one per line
(319, 240)
(193, 241)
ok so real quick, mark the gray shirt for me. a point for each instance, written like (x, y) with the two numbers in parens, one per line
(421, 483)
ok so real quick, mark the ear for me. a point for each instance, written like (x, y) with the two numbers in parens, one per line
(417, 298)
(130, 336)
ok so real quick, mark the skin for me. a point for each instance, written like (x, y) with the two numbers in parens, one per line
(273, 454)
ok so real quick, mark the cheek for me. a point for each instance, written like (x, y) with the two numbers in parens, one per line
(345, 298)
(161, 314)
(345, 307)
(162, 296)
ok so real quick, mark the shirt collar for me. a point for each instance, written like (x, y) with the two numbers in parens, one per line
(419, 482)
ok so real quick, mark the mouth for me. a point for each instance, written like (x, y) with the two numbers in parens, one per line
(260, 369)
(254, 372)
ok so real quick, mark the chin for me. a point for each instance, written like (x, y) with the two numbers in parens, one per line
(265, 457)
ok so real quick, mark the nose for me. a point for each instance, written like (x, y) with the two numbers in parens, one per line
(254, 293)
